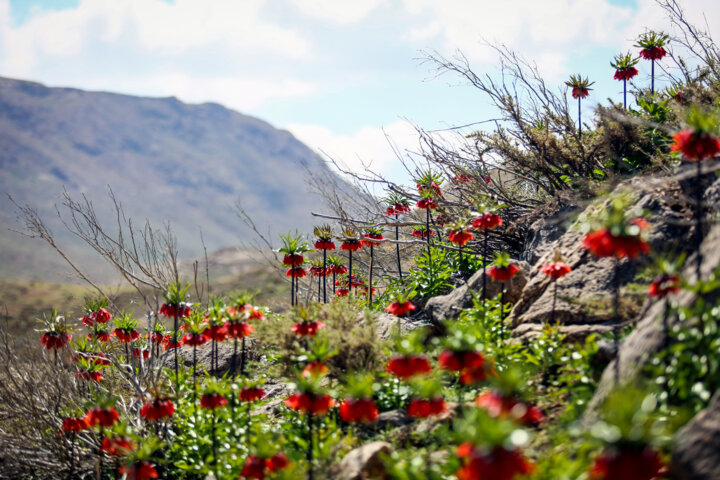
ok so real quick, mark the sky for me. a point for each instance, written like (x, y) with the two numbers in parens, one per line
(350, 78)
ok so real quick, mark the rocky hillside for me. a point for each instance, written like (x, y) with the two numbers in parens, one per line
(165, 160)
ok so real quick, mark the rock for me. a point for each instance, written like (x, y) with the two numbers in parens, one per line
(393, 419)
(364, 462)
(386, 325)
(450, 305)
(696, 455)
(584, 296)
(224, 356)
(545, 231)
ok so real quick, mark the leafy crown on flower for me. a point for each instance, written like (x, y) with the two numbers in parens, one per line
(624, 65)
(652, 45)
(580, 86)
(293, 244)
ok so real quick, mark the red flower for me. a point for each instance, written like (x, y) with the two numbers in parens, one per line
(487, 221)
(421, 233)
(137, 352)
(401, 208)
(86, 375)
(239, 329)
(663, 285)
(74, 425)
(213, 401)
(471, 376)
(118, 446)
(460, 237)
(216, 332)
(307, 329)
(499, 406)
(324, 245)
(55, 340)
(389, 211)
(372, 236)
(139, 470)
(158, 409)
(342, 292)
(169, 310)
(297, 272)
(498, 464)
(317, 271)
(408, 366)
(695, 145)
(580, 92)
(602, 243)
(293, 260)
(428, 203)
(102, 416)
(625, 73)
(556, 269)
(100, 335)
(255, 467)
(157, 337)
(310, 403)
(101, 359)
(314, 369)
(422, 408)
(338, 269)
(361, 410)
(628, 464)
(351, 245)
(461, 360)
(251, 394)
(169, 342)
(503, 274)
(194, 339)
(126, 336)
(400, 309)
(433, 186)
(653, 53)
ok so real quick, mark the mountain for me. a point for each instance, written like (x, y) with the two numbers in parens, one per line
(165, 160)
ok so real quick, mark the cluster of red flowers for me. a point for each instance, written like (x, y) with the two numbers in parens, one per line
(351, 244)
(180, 310)
(324, 244)
(397, 209)
(157, 409)
(503, 274)
(653, 53)
(421, 233)
(664, 285)
(427, 203)
(55, 340)
(602, 243)
(628, 464)
(695, 145)
(432, 186)
(101, 316)
(259, 467)
(580, 92)
(625, 73)
(369, 237)
(500, 406)
(139, 470)
(400, 309)
(251, 394)
(460, 237)
(423, 408)
(118, 446)
(408, 366)
(306, 402)
(497, 464)
(486, 221)
(101, 416)
(471, 365)
(360, 410)
(211, 401)
(87, 375)
(126, 335)
(74, 425)
(307, 328)
(556, 269)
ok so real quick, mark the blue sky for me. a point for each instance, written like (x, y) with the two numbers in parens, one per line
(339, 74)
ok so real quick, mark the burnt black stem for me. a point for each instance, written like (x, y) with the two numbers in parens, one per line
(349, 270)
(173, 343)
(242, 357)
(233, 362)
(397, 247)
(579, 118)
(698, 219)
(484, 290)
(372, 258)
(333, 283)
(652, 76)
(324, 275)
(625, 94)
(319, 289)
(194, 371)
(502, 311)
(292, 286)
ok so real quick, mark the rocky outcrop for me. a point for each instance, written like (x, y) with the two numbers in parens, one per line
(364, 462)
(696, 455)
(584, 296)
(450, 305)
(386, 325)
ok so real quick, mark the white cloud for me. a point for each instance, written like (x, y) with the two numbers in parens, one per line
(341, 12)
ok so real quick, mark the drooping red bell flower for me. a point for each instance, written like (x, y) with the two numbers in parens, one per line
(315, 404)
(408, 366)
(628, 464)
(257, 467)
(297, 272)
(429, 186)
(317, 271)
(461, 360)
(625, 73)
(401, 208)
(421, 233)
(118, 446)
(400, 309)
(126, 336)
(664, 285)
(170, 342)
(460, 237)
(139, 470)
(338, 269)
(487, 221)
(157, 409)
(212, 401)
(602, 243)
(87, 375)
(251, 394)
(503, 274)
(695, 145)
(293, 260)
(74, 425)
(324, 245)
(653, 53)
(101, 416)
(497, 464)
(314, 369)
(427, 203)
(194, 339)
(580, 92)
(216, 332)
(471, 376)
(342, 292)
(307, 329)
(351, 245)
(239, 329)
(556, 269)
(101, 359)
(390, 211)
(55, 340)
(369, 237)
(500, 406)
(157, 337)
(359, 410)
(100, 335)
(102, 316)
(169, 310)
(423, 408)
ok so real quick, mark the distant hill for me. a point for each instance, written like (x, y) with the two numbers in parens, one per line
(164, 159)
